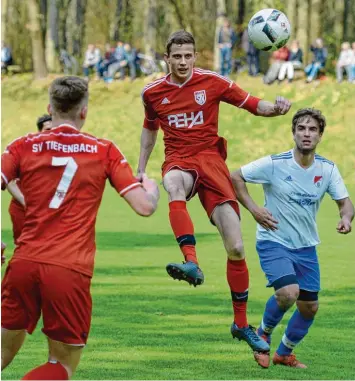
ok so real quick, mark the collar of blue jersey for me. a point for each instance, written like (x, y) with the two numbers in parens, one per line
(298, 166)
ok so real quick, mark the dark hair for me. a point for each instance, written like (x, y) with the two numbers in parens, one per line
(41, 120)
(180, 37)
(67, 94)
(310, 113)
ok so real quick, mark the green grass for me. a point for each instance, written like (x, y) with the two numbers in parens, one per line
(147, 326)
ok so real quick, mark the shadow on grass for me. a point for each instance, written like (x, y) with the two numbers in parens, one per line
(124, 240)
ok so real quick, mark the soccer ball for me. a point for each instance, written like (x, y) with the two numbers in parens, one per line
(269, 29)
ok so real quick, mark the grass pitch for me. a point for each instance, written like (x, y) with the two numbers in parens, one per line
(146, 326)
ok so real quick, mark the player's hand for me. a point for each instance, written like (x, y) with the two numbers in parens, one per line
(282, 106)
(344, 226)
(150, 186)
(264, 218)
(140, 175)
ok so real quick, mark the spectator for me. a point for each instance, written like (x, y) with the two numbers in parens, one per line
(226, 39)
(6, 57)
(92, 59)
(68, 62)
(353, 63)
(277, 59)
(295, 60)
(118, 63)
(130, 58)
(320, 57)
(252, 54)
(108, 59)
(344, 62)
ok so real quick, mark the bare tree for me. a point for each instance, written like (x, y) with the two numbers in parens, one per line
(302, 28)
(292, 15)
(338, 22)
(221, 14)
(116, 22)
(79, 29)
(52, 37)
(39, 62)
(315, 21)
(4, 4)
(150, 26)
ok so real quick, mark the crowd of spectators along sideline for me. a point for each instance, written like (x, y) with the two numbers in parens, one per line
(125, 59)
(119, 60)
(285, 61)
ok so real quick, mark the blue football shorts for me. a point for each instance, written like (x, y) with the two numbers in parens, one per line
(278, 261)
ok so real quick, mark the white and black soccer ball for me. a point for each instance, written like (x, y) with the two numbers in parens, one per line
(269, 29)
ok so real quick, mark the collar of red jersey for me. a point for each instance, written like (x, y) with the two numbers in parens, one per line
(66, 125)
(168, 76)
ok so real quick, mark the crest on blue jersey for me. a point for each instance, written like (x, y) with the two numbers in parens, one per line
(317, 181)
(200, 97)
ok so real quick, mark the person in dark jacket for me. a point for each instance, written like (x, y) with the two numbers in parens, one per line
(320, 54)
(226, 39)
(295, 60)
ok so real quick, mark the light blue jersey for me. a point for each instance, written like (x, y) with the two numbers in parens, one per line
(293, 195)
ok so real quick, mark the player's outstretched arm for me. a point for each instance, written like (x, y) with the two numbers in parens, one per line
(15, 192)
(280, 107)
(261, 215)
(144, 201)
(346, 210)
(148, 139)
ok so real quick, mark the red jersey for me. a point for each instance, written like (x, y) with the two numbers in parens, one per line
(188, 113)
(63, 173)
(17, 213)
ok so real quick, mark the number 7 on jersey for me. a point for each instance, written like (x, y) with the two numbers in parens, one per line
(67, 177)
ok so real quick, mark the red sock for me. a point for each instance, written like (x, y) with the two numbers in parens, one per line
(238, 280)
(183, 229)
(47, 371)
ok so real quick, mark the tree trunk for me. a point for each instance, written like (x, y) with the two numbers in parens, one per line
(338, 23)
(52, 38)
(302, 28)
(150, 26)
(39, 62)
(79, 30)
(221, 15)
(292, 15)
(116, 22)
(4, 4)
(315, 21)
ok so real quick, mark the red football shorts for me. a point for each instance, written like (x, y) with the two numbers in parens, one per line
(60, 294)
(212, 179)
(17, 214)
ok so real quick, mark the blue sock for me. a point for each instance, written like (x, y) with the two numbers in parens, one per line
(272, 316)
(296, 330)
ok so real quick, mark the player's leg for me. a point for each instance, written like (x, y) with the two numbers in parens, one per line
(20, 307)
(308, 276)
(227, 222)
(217, 196)
(179, 185)
(11, 342)
(63, 360)
(66, 308)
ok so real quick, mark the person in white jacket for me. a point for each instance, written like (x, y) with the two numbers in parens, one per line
(344, 62)
(92, 60)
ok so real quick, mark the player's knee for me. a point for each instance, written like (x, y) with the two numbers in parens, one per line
(175, 188)
(307, 303)
(236, 251)
(287, 296)
(67, 355)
